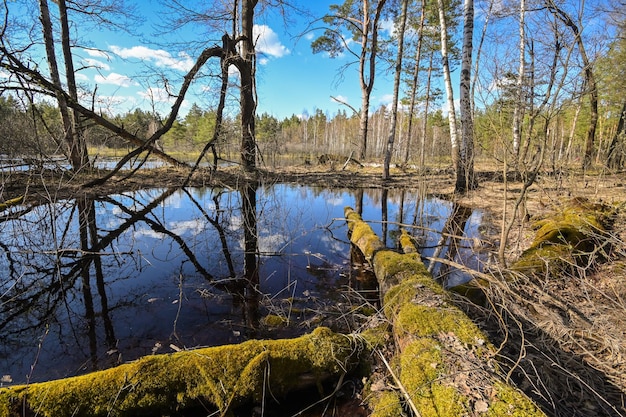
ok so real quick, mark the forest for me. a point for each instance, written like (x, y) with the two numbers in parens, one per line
(563, 100)
(184, 251)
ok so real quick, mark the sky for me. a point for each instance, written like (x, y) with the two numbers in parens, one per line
(290, 78)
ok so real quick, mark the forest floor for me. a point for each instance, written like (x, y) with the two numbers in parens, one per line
(569, 351)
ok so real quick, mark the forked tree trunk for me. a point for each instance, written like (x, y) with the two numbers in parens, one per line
(68, 126)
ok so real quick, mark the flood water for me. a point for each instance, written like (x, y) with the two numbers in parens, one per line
(86, 284)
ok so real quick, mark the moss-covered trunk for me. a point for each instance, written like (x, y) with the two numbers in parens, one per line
(575, 236)
(444, 363)
(219, 378)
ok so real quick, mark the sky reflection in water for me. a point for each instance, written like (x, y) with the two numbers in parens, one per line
(163, 270)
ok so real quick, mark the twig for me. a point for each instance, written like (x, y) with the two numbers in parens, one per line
(399, 384)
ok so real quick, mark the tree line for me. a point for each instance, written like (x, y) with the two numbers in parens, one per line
(541, 81)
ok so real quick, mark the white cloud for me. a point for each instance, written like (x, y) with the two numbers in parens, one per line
(267, 42)
(96, 53)
(157, 95)
(386, 99)
(95, 63)
(160, 57)
(339, 99)
(114, 79)
(388, 26)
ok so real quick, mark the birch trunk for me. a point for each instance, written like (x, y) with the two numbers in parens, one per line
(443, 28)
(465, 179)
(518, 109)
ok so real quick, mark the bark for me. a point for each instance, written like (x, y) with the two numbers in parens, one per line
(367, 67)
(396, 91)
(78, 150)
(436, 342)
(247, 70)
(465, 179)
(443, 29)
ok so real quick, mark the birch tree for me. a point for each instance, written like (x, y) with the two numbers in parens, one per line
(445, 63)
(518, 106)
(465, 179)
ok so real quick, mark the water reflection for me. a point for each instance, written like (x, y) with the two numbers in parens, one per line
(89, 283)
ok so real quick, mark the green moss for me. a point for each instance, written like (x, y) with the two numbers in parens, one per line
(407, 243)
(222, 376)
(272, 320)
(376, 336)
(540, 260)
(422, 321)
(510, 402)
(385, 404)
(421, 365)
(362, 234)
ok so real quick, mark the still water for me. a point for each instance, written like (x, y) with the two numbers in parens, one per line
(89, 283)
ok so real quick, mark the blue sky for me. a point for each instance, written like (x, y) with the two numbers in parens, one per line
(290, 78)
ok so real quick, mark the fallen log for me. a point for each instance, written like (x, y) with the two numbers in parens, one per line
(12, 202)
(220, 378)
(575, 236)
(444, 364)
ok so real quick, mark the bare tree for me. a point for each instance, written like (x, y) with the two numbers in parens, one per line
(77, 151)
(365, 28)
(590, 79)
(396, 89)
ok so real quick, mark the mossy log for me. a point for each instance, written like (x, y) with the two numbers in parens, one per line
(574, 236)
(444, 364)
(221, 378)
(12, 202)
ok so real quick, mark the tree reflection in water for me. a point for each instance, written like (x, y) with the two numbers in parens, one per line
(87, 283)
